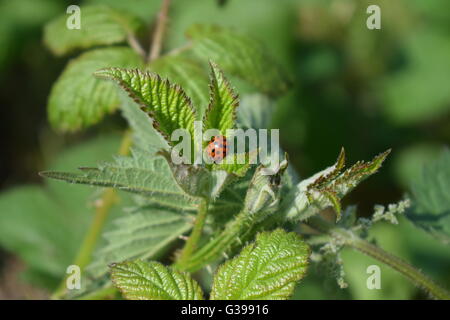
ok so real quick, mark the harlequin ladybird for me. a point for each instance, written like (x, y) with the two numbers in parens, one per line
(217, 148)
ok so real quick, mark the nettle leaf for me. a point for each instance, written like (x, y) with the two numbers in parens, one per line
(167, 104)
(142, 174)
(138, 280)
(326, 188)
(267, 269)
(240, 55)
(221, 112)
(78, 99)
(142, 233)
(189, 74)
(431, 198)
(100, 25)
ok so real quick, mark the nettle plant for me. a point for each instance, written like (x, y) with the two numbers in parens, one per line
(255, 232)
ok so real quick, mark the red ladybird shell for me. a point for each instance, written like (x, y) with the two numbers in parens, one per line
(217, 148)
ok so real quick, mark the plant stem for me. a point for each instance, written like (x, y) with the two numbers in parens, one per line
(414, 275)
(135, 45)
(103, 206)
(156, 43)
(352, 240)
(191, 243)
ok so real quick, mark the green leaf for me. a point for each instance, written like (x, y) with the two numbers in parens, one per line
(141, 234)
(327, 187)
(221, 112)
(267, 269)
(141, 173)
(166, 103)
(99, 25)
(239, 55)
(431, 198)
(78, 99)
(138, 280)
(186, 72)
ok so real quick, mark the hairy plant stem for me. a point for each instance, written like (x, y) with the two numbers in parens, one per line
(192, 241)
(217, 247)
(136, 46)
(352, 240)
(414, 275)
(103, 206)
(156, 43)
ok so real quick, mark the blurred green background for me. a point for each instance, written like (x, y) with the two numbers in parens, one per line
(366, 90)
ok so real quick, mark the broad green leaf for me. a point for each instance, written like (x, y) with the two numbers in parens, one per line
(138, 280)
(186, 72)
(327, 187)
(99, 25)
(141, 234)
(78, 99)
(431, 198)
(166, 103)
(45, 224)
(141, 173)
(221, 112)
(267, 269)
(239, 55)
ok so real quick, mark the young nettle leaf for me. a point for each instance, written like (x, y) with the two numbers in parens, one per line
(166, 103)
(431, 198)
(328, 187)
(99, 25)
(221, 112)
(142, 174)
(267, 269)
(139, 280)
(78, 99)
(240, 55)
